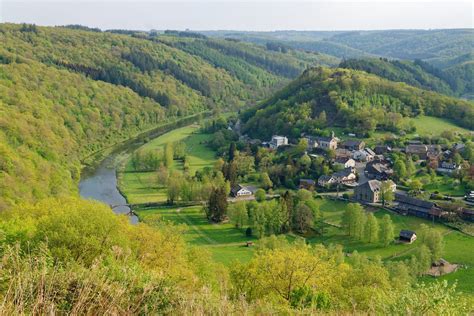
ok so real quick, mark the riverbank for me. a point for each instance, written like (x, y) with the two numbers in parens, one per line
(99, 176)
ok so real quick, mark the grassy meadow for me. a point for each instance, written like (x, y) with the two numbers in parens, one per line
(142, 187)
(429, 125)
(225, 242)
(459, 247)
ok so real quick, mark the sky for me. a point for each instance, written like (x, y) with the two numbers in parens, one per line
(260, 15)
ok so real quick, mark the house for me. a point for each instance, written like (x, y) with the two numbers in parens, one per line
(345, 162)
(378, 170)
(328, 142)
(458, 147)
(342, 153)
(447, 167)
(419, 150)
(326, 180)
(307, 184)
(412, 206)
(345, 176)
(241, 190)
(278, 141)
(368, 191)
(365, 154)
(322, 142)
(353, 145)
(382, 149)
(407, 236)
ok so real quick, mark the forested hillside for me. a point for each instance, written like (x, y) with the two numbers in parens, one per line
(351, 99)
(65, 93)
(456, 81)
(434, 46)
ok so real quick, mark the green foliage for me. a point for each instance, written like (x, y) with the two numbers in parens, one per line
(78, 91)
(260, 195)
(387, 231)
(355, 100)
(418, 74)
(216, 208)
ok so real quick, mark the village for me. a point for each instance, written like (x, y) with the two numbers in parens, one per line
(366, 175)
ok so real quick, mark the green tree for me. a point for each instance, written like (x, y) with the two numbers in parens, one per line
(217, 205)
(386, 192)
(415, 186)
(387, 230)
(400, 169)
(232, 150)
(423, 259)
(238, 214)
(371, 229)
(265, 181)
(174, 188)
(260, 195)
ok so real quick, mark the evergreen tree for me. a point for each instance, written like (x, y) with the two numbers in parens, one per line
(232, 150)
(217, 205)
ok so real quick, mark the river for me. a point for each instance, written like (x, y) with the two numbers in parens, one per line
(100, 183)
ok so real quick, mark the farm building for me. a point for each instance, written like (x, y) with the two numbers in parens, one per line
(407, 236)
(412, 206)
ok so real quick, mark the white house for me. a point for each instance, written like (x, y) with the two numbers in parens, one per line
(345, 162)
(326, 180)
(241, 190)
(448, 167)
(345, 176)
(278, 141)
(365, 154)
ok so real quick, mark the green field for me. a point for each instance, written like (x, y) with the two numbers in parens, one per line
(428, 125)
(333, 211)
(141, 187)
(224, 241)
(459, 248)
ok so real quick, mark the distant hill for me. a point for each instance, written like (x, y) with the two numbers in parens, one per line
(452, 81)
(351, 99)
(434, 46)
(66, 92)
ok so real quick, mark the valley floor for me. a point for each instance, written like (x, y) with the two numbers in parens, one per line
(227, 243)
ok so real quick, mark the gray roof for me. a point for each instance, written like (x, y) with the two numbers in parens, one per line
(352, 142)
(374, 185)
(343, 173)
(407, 233)
(308, 181)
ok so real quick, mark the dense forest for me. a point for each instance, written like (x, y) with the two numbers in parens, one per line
(68, 92)
(351, 99)
(417, 73)
(435, 46)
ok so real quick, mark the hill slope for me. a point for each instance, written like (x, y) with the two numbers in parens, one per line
(347, 98)
(417, 73)
(434, 46)
(65, 93)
